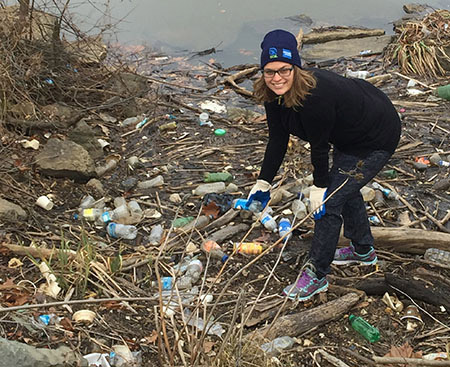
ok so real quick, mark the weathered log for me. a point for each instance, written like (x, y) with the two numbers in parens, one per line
(228, 232)
(408, 240)
(320, 36)
(438, 294)
(295, 324)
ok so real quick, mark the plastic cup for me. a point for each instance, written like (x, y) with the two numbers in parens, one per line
(44, 202)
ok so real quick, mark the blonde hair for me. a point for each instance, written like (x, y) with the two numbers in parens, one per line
(303, 82)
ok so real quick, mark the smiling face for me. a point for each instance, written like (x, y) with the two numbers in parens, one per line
(277, 83)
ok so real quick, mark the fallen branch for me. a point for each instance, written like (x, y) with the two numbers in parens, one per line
(409, 361)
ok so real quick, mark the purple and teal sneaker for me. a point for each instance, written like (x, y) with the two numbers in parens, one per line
(307, 286)
(348, 255)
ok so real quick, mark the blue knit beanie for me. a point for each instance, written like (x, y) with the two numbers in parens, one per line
(279, 45)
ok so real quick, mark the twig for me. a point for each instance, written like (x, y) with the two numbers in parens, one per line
(332, 359)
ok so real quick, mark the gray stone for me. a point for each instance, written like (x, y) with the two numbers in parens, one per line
(65, 159)
(10, 212)
(129, 183)
(129, 84)
(23, 355)
(345, 48)
(84, 135)
(96, 187)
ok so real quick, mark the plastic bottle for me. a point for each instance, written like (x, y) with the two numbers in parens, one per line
(91, 214)
(437, 160)
(250, 248)
(360, 74)
(119, 201)
(388, 193)
(374, 220)
(154, 182)
(389, 173)
(135, 208)
(156, 235)
(200, 222)
(443, 92)
(368, 331)
(214, 249)
(209, 188)
(182, 221)
(438, 256)
(124, 231)
(255, 206)
(203, 119)
(116, 214)
(212, 328)
(218, 177)
(298, 207)
(268, 222)
(379, 199)
(367, 193)
(87, 202)
(166, 283)
(192, 275)
(278, 344)
(284, 227)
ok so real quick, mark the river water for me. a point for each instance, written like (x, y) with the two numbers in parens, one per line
(234, 27)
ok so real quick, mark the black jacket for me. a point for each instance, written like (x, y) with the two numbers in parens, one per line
(352, 114)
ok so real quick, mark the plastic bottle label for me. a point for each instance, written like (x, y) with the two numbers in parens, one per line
(112, 230)
(88, 213)
(106, 217)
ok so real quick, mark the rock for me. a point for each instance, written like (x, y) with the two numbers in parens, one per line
(56, 112)
(88, 50)
(65, 159)
(10, 212)
(95, 187)
(129, 183)
(128, 84)
(414, 8)
(442, 185)
(339, 33)
(23, 355)
(84, 135)
(345, 48)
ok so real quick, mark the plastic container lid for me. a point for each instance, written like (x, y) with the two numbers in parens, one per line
(220, 132)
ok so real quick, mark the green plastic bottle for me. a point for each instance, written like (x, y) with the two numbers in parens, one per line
(368, 331)
(443, 92)
(218, 177)
(181, 222)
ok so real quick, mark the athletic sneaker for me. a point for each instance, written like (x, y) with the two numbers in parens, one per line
(307, 286)
(348, 255)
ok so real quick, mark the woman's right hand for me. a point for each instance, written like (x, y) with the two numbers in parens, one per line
(260, 192)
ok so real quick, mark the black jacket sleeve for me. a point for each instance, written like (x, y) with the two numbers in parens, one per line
(277, 145)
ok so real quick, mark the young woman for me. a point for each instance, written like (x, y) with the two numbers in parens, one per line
(325, 109)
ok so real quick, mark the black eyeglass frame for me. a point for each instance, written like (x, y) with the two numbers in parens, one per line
(279, 72)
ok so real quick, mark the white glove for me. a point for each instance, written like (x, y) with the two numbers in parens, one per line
(316, 197)
(260, 185)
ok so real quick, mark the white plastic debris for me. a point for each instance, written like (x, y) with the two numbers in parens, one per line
(213, 106)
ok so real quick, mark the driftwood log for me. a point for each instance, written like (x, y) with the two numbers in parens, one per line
(327, 35)
(408, 240)
(295, 324)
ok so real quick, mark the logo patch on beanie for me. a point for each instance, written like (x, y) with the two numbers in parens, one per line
(287, 54)
(273, 54)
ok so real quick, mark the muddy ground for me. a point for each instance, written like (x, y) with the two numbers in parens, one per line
(182, 156)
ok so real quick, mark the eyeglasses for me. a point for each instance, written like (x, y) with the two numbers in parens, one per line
(283, 72)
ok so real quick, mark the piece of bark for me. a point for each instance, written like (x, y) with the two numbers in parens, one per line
(401, 361)
(408, 240)
(224, 219)
(228, 232)
(438, 295)
(320, 36)
(295, 324)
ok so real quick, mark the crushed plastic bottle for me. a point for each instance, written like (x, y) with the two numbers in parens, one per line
(209, 188)
(268, 222)
(218, 177)
(284, 227)
(124, 231)
(298, 207)
(154, 182)
(191, 276)
(438, 256)
(156, 235)
(278, 344)
(116, 214)
(212, 328)
(214, 250)
(87, 202)
(368, 331)
(135, 208)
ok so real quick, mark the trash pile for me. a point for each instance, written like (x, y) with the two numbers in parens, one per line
(129, 236)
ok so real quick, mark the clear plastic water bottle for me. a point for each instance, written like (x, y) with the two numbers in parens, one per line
(388, 193)
(192, 275)
(154, 182)
(278, 344)
(156, 235)
(124, 231)
(284, 227)
(116, 214)
(438, 256)
(268, 222)
(91, 214)
(298, 207)
(214, 249)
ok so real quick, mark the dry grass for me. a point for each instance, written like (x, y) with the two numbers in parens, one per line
(420, 44)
